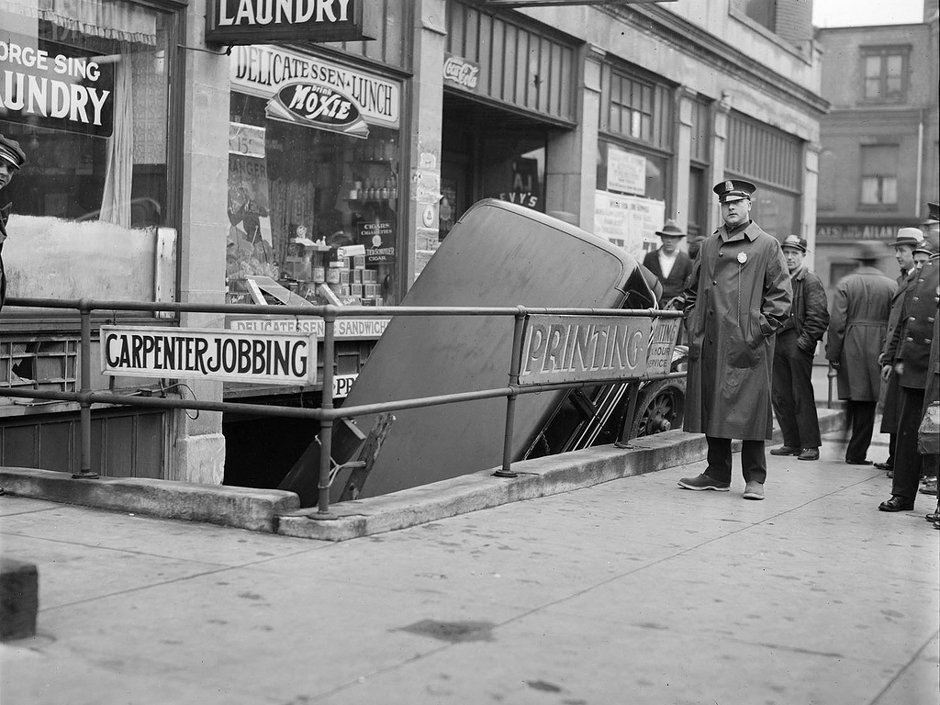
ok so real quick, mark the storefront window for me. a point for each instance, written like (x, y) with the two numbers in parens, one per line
(314, 181)
(84, 91)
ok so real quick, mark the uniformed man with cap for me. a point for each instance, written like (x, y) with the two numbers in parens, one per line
(904, 245)
(669, 262)
(858, 322)
(793, 395)
(12, 159)
(909, 358)
(737, 298)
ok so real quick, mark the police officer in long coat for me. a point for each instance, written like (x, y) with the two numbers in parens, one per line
(858, 321)
(909, 349)
(738, 297)
(11, 159)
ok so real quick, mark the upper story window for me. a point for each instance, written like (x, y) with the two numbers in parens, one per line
(636, 107)
(885, 73)
(879, 175)
(764, 12)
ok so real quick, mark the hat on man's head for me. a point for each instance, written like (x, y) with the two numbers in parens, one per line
(671, 229)
(794, 242)
(734, 190)
(930, 244)
(933, 214)
(868, 251)
(11, 153)
(908, 236)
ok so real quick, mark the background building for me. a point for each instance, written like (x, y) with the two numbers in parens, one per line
(879, 162)
(611, 116)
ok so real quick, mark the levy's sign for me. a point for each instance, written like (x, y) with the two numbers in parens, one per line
(575, 348)
(235, 22)
(263, 358)
(305, 90)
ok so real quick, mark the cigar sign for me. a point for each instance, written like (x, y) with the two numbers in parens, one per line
(233, 22)
(263, 358)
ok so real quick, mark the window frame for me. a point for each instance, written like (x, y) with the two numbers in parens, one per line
(880, 205)
(883, 53)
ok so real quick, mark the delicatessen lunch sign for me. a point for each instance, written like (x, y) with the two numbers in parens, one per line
(263, 358)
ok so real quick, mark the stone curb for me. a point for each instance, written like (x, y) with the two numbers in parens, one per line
(238, 507)
(279, 511)
(536, 478)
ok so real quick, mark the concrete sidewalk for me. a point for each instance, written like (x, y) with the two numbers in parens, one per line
(631, 591)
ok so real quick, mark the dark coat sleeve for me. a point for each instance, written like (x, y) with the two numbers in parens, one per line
(816, 318)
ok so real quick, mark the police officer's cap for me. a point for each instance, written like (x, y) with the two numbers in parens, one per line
(794, 242)
(734, 190)
(11, 153)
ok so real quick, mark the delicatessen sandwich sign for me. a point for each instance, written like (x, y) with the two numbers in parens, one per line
(264, 358)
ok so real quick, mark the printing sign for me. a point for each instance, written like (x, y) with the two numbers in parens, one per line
(662, 343)
(235, 22)
(581, 348)
(263, 358)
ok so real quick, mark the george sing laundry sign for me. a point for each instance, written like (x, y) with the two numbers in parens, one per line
(259, 21)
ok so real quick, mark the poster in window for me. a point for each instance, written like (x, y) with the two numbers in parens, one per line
(378, 237)
(626, 172)
(630, 222)
(249, 242)
(60, 87)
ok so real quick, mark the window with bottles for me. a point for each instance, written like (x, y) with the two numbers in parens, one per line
(86, 94)
(314, 182)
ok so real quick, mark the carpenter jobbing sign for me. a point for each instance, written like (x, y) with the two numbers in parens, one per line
(574, 348)
(263, 358)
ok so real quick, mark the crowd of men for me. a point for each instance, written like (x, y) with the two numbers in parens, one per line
(754, 316)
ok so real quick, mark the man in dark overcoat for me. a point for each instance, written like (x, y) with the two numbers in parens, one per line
(909, 349)
(904, 244)
(738, 296)
(858, 320)
(11, 159)
(793, 396)
(670, 263)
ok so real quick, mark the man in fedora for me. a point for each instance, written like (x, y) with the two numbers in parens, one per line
(669, 262)
(904, 245)
(858, 322)
(793, 397)
(12, 159)
(737, 298)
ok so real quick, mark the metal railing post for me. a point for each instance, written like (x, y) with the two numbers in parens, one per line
(514, 366)
(326, 425)
(84, 401)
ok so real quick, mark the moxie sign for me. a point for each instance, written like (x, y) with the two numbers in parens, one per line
(233, 22)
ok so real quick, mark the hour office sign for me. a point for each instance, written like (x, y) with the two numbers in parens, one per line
(579, 348)
(233, 22)
(262, 358)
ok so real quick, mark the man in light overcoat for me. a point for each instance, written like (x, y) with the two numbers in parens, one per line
(738, 297)
(858, 321)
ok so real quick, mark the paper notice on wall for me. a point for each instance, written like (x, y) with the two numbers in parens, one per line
(629, 222)
(625, 171)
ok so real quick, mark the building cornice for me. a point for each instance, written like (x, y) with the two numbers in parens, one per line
(688, 38)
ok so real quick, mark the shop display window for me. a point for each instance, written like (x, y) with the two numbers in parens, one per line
(623, 170)
(314, 214)
(84, 91)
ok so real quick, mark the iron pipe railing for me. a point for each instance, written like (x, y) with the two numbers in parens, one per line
(326, 414)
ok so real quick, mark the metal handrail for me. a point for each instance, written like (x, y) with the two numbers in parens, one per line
(326, 414)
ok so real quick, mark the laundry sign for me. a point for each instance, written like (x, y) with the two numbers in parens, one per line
(234, 22)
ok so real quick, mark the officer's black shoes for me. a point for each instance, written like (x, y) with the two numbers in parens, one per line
(896, 504)
(703, 482)
(809, 454)
(785, 450)
(857, 461)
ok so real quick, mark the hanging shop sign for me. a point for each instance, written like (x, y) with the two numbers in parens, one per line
(461, 72)
(56, 86)
(307, 90)
(576, 348)
(263, 358)
(234, 22)
(343, 328)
